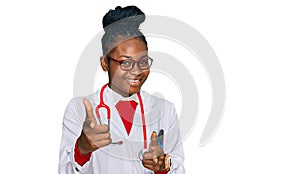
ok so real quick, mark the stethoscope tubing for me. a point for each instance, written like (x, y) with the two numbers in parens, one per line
(102, 104)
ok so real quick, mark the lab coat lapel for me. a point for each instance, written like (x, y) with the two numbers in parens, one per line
(137, 126)
(136, 123)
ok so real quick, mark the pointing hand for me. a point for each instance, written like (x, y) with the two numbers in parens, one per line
(154, 158)
(92, 136)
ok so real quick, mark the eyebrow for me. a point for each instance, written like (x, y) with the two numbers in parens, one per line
(130, 57)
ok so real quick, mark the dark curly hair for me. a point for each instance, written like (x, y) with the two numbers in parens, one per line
(120, 25)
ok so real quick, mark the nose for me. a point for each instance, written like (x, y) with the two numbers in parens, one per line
(135, 70)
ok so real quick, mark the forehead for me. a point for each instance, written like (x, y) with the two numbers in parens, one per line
(131, 47)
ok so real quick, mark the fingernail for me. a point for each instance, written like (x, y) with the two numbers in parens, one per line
(92, 124)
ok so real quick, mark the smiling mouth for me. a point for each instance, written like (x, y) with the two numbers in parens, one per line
(134, 82)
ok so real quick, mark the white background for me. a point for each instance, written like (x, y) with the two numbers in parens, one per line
(257, 43)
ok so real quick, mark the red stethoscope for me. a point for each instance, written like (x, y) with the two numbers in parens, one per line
(103, 105)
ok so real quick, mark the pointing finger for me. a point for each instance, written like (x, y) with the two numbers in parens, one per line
(88, 109)
(153, 135)
(153, 139)
(89, 118)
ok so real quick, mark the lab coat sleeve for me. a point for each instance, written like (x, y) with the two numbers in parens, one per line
(72, 126)
(173, 144)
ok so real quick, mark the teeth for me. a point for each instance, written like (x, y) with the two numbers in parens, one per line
(133, 81)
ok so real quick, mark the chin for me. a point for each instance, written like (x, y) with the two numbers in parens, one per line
(134, 90)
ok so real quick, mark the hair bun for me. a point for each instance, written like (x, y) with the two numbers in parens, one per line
(129, 17)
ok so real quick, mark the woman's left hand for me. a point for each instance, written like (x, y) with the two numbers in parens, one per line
(154, 158)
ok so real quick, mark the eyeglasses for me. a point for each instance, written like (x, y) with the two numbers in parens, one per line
(144, 63)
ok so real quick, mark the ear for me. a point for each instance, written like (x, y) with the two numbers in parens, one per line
(104, 63)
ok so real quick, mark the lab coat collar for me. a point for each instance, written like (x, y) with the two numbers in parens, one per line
(112, 98)
(115, 97)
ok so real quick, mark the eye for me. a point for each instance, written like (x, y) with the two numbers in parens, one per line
(126, 63)
(144, 62)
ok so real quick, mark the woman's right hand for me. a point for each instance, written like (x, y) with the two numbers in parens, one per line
(93, 136)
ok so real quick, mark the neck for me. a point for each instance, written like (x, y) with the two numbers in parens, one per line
(119, 91)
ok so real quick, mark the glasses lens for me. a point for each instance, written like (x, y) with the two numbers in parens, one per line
(127, 64)
(145, 63)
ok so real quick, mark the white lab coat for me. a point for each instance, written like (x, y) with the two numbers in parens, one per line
(116, 159)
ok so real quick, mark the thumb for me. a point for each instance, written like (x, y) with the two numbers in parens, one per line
(89, 111)
(153, 143)
(153, 139)
(153, 136)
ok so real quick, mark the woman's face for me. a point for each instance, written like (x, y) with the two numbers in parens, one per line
(129, 82)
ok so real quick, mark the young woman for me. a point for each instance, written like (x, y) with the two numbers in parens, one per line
(121, 129)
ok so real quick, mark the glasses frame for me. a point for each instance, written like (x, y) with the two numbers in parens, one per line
(134, 62)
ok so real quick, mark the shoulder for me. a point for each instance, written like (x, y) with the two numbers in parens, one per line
(76, 103)
(75, 109)
(79, 100)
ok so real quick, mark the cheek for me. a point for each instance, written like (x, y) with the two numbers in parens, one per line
(117, 74)
(146, 73)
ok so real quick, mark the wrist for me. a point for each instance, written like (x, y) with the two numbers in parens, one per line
(82, 151)
(80, 146)
(80, 158)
